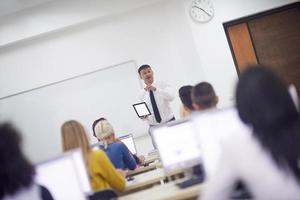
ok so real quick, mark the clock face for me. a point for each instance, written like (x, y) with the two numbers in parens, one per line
(202, 10)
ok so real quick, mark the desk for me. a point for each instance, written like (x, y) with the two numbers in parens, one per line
(145, 179)
(143, 169)
(168, 191)
(152, 158)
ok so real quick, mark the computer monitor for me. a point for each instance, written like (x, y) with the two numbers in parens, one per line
(215, 127)
(65, 176)
(177, 145)
(129, 142)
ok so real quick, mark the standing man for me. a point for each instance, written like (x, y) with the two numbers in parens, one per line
(157, 96)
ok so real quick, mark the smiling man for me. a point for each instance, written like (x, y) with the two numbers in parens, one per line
(157, 96)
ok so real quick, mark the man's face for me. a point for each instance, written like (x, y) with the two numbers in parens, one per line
(147, 76)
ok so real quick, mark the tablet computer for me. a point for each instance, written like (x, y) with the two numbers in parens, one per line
(141, 109)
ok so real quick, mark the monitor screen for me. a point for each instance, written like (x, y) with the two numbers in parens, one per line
(177, 145)
(65, 176)
(215, 127)
(129, 142)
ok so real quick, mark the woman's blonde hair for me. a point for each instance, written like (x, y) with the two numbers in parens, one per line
(103, 129)
(74, 136)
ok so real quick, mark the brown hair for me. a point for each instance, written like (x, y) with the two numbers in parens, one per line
(203, 94)
(74, 136)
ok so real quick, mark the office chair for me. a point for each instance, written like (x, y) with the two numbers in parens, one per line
(107, 194)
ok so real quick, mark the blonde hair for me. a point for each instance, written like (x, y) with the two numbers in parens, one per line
(74, 136)
(103, 129)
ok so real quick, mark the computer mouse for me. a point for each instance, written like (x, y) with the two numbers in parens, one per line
(129, 178)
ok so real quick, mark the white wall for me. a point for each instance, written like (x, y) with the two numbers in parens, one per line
(160, 33)
(212, 46)
(157, 34)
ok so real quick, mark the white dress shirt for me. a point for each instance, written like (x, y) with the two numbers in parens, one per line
(163, 96)
(243, 158)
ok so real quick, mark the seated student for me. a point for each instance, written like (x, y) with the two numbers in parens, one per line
(265, 159)
(102, 173)
(186, 100)
(204, 97)
(117, 151)
(16, 172)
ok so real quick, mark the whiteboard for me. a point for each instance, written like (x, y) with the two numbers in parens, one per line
(108, 93)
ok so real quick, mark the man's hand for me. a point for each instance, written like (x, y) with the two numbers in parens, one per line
(150, 87)
(144, 117)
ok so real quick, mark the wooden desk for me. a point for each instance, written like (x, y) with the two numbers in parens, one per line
(143, 169)
(145, 180)
(152, 158)
(168, 191)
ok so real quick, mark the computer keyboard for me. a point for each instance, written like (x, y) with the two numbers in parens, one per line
(190, 182)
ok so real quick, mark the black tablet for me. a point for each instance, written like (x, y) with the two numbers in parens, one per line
(141, 109)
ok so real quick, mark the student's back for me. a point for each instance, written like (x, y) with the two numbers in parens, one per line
(16, 173)
(120, 156)
(117, 151)
(266, 159)
(102, 173)
(243, 158)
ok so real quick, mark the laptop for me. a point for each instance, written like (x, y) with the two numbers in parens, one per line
(65, 176)
(129, 142)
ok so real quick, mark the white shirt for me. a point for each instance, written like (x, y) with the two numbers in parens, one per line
(243, 158)
(294, 95)
(163, 96)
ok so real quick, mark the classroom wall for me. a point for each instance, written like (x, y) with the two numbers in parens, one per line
(212, 46)
(61, 39)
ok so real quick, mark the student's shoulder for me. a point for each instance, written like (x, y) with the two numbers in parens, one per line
(97, 153)
(119, 145)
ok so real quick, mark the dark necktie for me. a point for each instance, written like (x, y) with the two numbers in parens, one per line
(154, 106)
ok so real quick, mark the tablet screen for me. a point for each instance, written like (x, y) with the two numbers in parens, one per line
(141, 109)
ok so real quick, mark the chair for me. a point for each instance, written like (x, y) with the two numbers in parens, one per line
(107, 194)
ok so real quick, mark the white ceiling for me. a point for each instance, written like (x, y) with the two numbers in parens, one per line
(11, 6)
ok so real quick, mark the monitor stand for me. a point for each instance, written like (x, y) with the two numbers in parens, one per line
(197, 177)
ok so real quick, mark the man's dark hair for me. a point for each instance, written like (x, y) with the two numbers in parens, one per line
(95, 123)
(185, 96)
(15, 170)
(143, 67)
(263, 101)
(203, 94)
